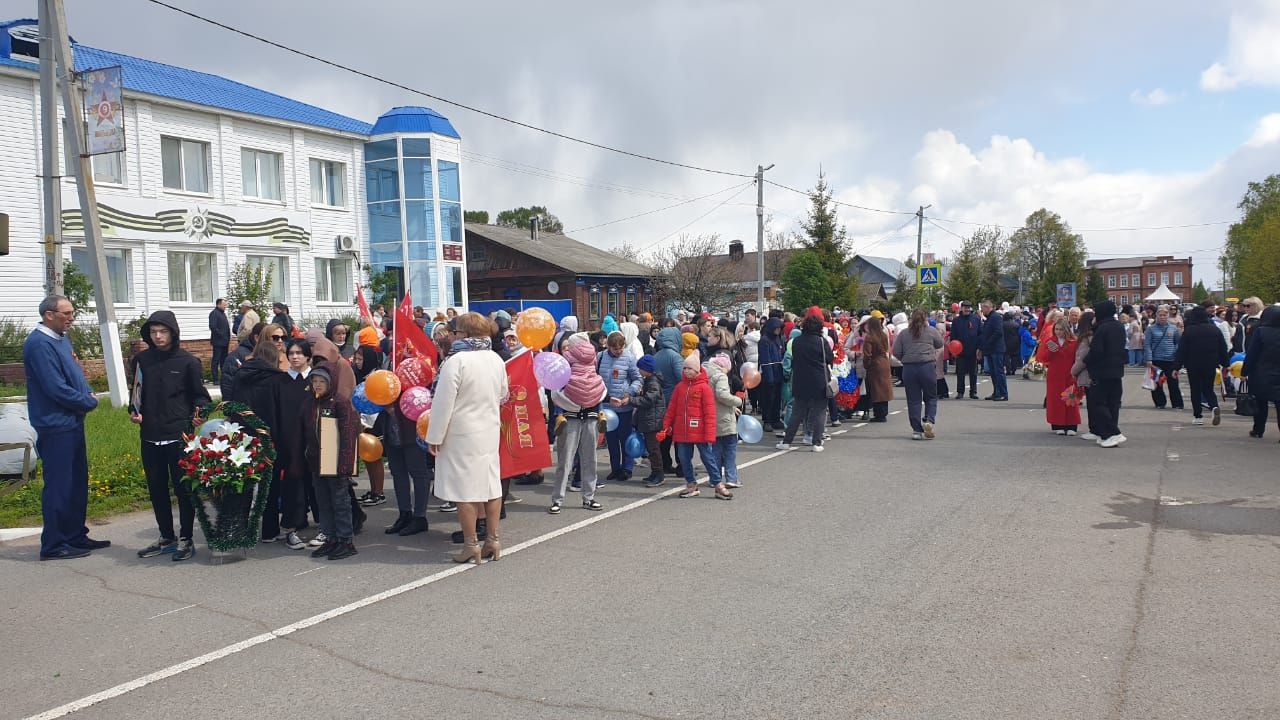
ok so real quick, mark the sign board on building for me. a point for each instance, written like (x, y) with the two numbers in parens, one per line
(103, 110)
(1066, 295)
(929, 275)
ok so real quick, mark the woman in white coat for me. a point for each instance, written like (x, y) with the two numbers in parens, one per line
(465, 431)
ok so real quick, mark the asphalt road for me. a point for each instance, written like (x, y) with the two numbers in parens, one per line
(998, 571)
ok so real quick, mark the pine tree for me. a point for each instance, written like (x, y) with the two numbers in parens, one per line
(828, 241)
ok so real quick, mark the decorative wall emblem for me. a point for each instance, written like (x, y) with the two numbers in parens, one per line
(197, 224)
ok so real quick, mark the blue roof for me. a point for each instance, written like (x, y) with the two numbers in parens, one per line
(153, 78)
(411, 119)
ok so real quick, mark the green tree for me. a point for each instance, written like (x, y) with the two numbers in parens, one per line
(384, 287)
(975, 271)
(1095, 289)
(829, 242)
(807, 282)
(1251, 258)
(476, 216)
(520, 217)
(1046, 252)
(1199, 293)
(77, 287)
(249, 283)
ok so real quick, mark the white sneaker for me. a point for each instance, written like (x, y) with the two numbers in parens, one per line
(1059, 432)
(807, 440)
(1197, 421)
(782, 446)
(817, 448)
(1110, 442)
(318, 540)
(293, 542)
(1071, 433)
(1088, 436)
(1217, 417)
(928, 430)
(1121, 439)
(917, 436)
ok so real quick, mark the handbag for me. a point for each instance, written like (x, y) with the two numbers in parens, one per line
(833, 383)
(1246, 402)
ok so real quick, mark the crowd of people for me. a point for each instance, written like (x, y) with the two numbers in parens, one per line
(680, 383)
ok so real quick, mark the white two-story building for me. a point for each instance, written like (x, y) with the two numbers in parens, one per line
(217, 173)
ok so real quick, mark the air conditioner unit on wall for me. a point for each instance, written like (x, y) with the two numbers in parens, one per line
(346, 243)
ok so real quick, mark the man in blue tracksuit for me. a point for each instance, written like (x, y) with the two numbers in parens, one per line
(965, 328)
(617, 368)
(991, 347)
(58, 397)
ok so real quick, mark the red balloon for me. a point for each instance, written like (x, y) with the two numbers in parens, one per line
(955, 346)
(413, 373)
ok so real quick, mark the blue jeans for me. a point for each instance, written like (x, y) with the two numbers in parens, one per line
(615, 439)
(1135, 357)
(707, 451)
(727, 449)
(998, 382)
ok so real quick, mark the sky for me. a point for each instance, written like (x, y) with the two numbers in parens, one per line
(1145, 113)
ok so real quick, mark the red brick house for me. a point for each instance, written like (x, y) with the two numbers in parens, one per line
(1128, 280)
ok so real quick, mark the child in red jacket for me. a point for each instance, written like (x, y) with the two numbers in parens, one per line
(691, 422)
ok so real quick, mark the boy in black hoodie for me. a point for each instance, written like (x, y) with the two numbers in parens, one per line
(1105, 362)
(168, 391)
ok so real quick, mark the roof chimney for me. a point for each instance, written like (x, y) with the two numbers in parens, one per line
(735, 250)
(533, 228)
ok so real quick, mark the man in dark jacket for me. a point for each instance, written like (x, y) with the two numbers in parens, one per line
(219, 337)
(1262, 367)
(991, 348)
(1202, 351)
(237, 359)
(1012, 343)
(1105, 362)
(282, 317)
(965, 328)
(165, 401)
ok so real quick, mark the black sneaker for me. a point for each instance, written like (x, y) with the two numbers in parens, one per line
(530, 479)
(158, 547)
(185, 550)
(324, 549)
(369, 500)
(414, 526)
(655, 480)
(66, 553)
(448, 507)
(343, 549)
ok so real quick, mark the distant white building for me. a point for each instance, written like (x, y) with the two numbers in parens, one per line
(217, 173)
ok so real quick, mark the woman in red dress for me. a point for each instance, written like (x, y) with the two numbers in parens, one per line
(1057, 352)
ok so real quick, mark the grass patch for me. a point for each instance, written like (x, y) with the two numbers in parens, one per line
(12, 390)
(116, 481)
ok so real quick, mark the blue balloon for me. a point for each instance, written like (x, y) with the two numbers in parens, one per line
(634, 446)
(362, 402)
(1238, 357)
(750, 429)
(610, 419)
(422, 444)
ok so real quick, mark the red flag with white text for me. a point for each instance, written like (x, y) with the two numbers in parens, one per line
(408, 340)
(524, 446)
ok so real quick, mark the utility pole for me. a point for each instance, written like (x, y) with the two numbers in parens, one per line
(51, 174)
(920, 232)
(760, 170)
(113, 362)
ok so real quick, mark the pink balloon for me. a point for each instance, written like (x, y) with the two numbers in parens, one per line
(414, 401)
(551, 370)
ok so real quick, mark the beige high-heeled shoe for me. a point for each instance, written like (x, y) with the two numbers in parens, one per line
(492, 549)
(470, 553)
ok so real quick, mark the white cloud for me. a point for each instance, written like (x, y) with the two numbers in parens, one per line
(1252, 55)
(1268, 131)
(1154, 98)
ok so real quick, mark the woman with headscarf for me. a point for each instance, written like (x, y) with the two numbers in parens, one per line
(568, 326)
(770, 366)
(631, 334)
(340, 335)
(878, 383)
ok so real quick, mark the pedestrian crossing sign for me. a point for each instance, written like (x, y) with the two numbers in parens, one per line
(929, 275)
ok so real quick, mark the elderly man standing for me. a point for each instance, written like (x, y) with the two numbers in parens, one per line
(58, 397)
(245, 321)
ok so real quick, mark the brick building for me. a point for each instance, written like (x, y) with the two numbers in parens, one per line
(1128, 280)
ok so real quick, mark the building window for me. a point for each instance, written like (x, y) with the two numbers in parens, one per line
(594, 306)
(333, 280)
(185, 164)
(613, 303)
(1137, 280)
(328, 183)
(1164, 278)
(191, 277)
(450, 222)
(453, 276)
(119, 272)
(1124, 280)
(109, 168)
(448, 172)
(417, 147)
(260, 174)
(1177, 279)
(1124, 300)
(631, 301)
(1111, 281)
(1151, 280)
(276, 268)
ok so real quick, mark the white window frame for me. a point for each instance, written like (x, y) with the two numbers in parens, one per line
(281, 293)
(1151, 280)
(213, 276)
(182, 165)
(128, 272)
(120, 164)
(324, 268)
(258, 157)
(1177, 279)
(1137, 280)
(327, 181)
(1124, 299)
(1164, 278)
(1111, 282)
(1124, 280)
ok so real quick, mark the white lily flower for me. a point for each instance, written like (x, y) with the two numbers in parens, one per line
(193, 444)
(229, 428)
(239, 456)
(219, 445)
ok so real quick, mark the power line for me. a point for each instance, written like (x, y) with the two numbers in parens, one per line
(891, 233)
(454, 103)
(1093, 230)
(845, 204)
(569, 178)
(945, 230)
(658, 210)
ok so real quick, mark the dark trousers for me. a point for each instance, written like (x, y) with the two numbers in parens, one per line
(334, 496)
(667, 462)
(999, 385)
(1171, 382)
(771, 403)
(65, 499)
(411, 475)
(1012, 363)
(966, 367)
(654, 448)
(1200, 384)
(812, 414)
(1261, 407)
(921, 382)
(286, 502)
(615, 439)
(160, 464)
(219, 357)
(1104, 407)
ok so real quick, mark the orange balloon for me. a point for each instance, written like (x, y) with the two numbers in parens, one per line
(751, 379)
(424, 422)
(535, 327)
(382, 387)
(370, 447)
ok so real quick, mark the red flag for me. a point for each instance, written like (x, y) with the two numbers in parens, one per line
(364, 305)
(524, 446)
(408, 340)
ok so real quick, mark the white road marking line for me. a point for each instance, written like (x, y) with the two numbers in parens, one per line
(855, 427)
(304, 572)
(193, 663)
(895, 412)
(153, 617)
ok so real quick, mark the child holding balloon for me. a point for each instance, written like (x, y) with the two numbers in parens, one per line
(728, 408)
